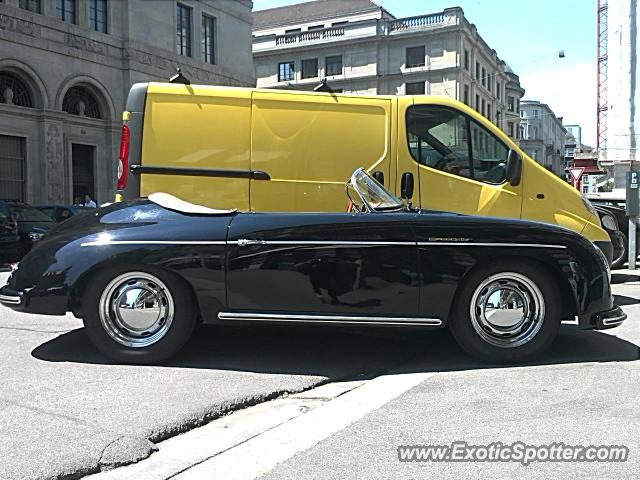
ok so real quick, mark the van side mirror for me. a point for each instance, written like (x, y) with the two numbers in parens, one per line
(514, 168)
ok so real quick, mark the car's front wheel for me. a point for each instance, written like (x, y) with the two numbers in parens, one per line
(138, 316)
(506, 313)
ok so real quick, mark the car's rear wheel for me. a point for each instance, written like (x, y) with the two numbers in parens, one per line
(138, 316)
(506, 313)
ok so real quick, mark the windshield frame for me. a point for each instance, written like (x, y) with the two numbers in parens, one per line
(364, 186)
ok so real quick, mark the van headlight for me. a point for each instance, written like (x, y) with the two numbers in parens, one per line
(588, 205)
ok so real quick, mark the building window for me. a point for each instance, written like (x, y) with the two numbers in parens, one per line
(208, 39)
(466, 60)
(536, 113)
(489, 82)
(31, 5)
(98, 15)
(510, 103)
(66, 10)
(333, 65)
(309, 68)
(80, 101)
(183, 30)
(477, 103)
(13, 91)
(12, 163)
(534, 133)
(510, 129)
(339, 24)
(286, 71)
(498, 117)
(477, 70)
(466, 94)
(484, 77)
(489, 111)
(482, 110)
(498, 90)
(315, 27)
(517, 105)
(415, 57)
(414, 88)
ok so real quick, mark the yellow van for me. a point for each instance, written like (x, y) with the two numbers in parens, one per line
(278, 150)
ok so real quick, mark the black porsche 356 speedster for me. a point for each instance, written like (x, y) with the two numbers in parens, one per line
(142, 273)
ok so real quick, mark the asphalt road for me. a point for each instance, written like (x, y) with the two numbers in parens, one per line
(66, 410)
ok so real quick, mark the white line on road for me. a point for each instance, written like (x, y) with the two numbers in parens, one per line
(257, 456)
(249, 443)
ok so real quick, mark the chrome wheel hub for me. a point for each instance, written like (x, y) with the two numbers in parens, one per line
(136, 309)
(507, 310)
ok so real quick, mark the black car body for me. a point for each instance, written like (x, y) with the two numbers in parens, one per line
(387, 267)
(60, 213)
(31, 225)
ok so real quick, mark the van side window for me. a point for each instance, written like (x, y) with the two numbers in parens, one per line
(445, 139)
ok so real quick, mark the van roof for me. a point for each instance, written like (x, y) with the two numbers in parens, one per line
(165, 87)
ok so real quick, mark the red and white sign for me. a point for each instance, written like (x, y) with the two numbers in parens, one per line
(576, 173)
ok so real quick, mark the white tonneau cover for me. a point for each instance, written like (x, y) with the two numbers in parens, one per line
(174, 203)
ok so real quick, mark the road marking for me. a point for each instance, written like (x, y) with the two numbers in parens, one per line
(249, 443)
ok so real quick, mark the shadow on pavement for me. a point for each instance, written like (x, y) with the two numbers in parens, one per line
(622, 300)
(339, 352)
(624, 277)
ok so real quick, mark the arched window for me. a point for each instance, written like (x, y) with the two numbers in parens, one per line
(80, 101)
(13, 91)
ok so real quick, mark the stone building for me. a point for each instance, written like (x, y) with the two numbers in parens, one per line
(65, 70)
(542, 135)
(359, 47)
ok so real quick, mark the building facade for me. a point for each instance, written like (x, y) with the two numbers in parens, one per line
(359, 47)
(66, 67)
(542, 135)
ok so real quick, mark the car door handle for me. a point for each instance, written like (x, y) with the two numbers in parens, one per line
(243, 242)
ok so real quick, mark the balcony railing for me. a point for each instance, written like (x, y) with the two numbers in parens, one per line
(416, 22)
(310, 36)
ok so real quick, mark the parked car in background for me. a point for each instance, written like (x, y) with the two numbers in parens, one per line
(618, 239)
(616, 203)
(9, 239)
(59, 213)
(30, 224)
(142, 273)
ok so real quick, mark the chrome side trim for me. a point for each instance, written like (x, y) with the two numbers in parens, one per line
(99, 243)
(10, 299)
(339, 319)
(487, 244)
(243, 241)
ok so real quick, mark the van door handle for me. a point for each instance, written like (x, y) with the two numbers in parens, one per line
(379, 176)
(406, 185)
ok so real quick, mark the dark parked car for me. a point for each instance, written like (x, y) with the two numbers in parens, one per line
(615, 204)
(60, 213)
(31, 225)
(618, 239)
(142, 273)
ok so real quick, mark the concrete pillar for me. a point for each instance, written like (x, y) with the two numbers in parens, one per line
(55, 168)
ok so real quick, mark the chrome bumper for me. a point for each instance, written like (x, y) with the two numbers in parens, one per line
(10, 299)
(609, 319)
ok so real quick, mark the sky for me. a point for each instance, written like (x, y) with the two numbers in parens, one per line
(528, 36)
